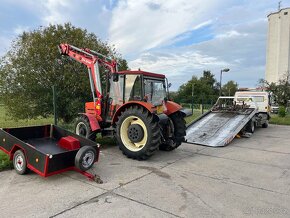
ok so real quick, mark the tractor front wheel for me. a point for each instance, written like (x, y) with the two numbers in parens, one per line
(83, 128)
(137, 132)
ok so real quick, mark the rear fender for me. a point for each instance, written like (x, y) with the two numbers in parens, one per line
(93, 121)
(145, 105)
(172, 107)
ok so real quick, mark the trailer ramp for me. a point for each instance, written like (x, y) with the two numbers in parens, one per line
(218, 128)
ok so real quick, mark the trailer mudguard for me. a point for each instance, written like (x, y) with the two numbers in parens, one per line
(94, 123)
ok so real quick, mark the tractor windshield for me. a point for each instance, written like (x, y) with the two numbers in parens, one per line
(155, 91)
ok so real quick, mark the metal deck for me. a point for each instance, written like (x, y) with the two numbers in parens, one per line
(46, 145)
(219, 128)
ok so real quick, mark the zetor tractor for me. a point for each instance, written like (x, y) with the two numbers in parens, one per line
(133, 107)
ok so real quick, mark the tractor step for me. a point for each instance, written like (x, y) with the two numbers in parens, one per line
(108, 132)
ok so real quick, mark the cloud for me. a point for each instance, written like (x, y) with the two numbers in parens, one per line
(177, 37)
(241, 50)
(230, 34)
(179, 66)
(239, 37)
(57, 11)
(141, 25)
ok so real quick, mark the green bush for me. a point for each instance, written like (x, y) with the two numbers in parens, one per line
(282, 111)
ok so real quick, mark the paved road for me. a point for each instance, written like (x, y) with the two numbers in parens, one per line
(250, 177)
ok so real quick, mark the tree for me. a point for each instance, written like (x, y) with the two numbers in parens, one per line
(280, 90)
(203, 88)
(33, 65)
(229, 88)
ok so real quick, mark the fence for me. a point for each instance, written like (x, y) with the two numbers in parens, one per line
(7, 121)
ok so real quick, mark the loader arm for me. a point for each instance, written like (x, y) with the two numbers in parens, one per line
(92, 60)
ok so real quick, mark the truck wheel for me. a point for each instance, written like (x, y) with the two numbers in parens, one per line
(250, 127)
(266, 124)
(83, 128)
(19, 162)
(138, 134)
(85, 158)
(179, 130)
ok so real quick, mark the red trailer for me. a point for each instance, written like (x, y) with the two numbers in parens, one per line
(48, 150)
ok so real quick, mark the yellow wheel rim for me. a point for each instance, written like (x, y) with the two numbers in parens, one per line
(133, 146)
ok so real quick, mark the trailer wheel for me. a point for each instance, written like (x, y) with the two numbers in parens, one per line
(85, 158)
(266, 124)
(83, 128)
(250, 127)
(179, 131)
(138, 134)
(19, 162)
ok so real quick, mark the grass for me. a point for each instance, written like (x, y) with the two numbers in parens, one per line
(275, 119)
(7, 122)
(196, 114)
(5, 163)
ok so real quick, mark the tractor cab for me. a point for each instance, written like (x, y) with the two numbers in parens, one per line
(132, 86)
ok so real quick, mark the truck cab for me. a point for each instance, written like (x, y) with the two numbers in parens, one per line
(259, 100)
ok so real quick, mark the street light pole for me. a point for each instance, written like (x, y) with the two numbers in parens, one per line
(223, 70)
(221, 82)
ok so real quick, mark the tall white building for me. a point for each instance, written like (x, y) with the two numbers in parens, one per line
(278, 46)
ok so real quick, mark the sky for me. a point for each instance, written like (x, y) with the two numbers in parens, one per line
(178, 38)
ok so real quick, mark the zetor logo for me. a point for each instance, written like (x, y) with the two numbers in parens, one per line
(86, 61)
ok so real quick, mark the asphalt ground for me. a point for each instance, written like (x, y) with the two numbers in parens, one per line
(248, 178)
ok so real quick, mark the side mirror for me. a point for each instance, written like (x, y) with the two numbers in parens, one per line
(169, 85)
(115, 77)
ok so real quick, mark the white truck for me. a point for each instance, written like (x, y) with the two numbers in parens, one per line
(259, 100)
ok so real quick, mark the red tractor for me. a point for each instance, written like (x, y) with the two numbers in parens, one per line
(133, 107)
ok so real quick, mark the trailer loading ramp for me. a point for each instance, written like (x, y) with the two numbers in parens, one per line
(218, 128)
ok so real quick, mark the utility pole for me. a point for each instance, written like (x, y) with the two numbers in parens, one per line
(279, 5)
(192, 92)
(54, 105)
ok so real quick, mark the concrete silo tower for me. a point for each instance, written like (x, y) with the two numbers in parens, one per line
(278, 46)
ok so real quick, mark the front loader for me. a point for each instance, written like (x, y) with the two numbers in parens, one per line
(133, 107)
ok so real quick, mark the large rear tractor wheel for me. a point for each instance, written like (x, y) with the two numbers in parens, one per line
(137, 132)
(177, 129)
(83, 128)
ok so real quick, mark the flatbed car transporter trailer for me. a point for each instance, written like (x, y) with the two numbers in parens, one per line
(219, 126)
(48, 150)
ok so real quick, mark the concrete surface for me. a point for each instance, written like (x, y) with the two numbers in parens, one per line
(248, 178)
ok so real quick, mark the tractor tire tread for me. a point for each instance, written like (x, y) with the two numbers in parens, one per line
(154, 137)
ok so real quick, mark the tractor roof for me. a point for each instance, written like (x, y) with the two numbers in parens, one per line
(156, 75)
